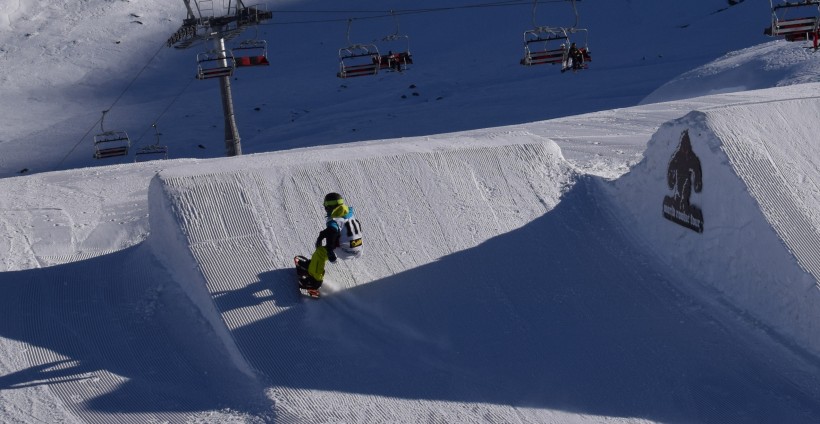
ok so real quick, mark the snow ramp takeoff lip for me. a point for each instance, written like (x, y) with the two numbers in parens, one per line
(230, 235)
(756, 192)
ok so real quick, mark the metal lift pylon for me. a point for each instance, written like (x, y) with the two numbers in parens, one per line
(201, 26)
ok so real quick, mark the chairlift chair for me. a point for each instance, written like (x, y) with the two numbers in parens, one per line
(108, 144)
(796, 21)
(215, 64)
(152, 152)
(544, 45)
(358, 60)
(251, 53)
(398, 50)
(398, 55)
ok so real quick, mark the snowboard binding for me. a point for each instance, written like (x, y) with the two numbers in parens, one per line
(307, 284)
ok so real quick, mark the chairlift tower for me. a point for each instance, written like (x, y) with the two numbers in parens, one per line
(202, 25)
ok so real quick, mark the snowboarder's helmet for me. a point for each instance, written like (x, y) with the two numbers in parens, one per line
(332, 200)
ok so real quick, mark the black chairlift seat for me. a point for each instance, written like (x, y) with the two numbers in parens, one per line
(358, 60)
(215, 64)
(251, 53)
(111, 144)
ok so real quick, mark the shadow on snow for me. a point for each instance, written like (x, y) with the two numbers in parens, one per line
(562, 313)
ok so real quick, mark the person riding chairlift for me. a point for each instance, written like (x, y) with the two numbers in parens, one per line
(575, 58)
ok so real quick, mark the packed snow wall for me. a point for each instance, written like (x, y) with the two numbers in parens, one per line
(729, 197)
(229, 229)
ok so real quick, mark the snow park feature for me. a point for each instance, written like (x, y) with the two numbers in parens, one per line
(520, 266)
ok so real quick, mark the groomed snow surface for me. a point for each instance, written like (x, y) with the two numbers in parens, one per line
(516, 269)
(500, 283)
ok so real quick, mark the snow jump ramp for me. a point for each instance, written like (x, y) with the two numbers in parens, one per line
(498, 284)
(752, 229)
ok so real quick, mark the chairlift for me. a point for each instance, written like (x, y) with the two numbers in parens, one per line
(215, 64)
(398, 50)
(545, 45)
(251, 53)
(108, 144)
(357, 60)
(796, 21)
(152, 152)
(552, 45)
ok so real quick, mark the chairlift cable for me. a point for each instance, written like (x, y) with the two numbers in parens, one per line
(493, 4)
(184, 89)
(392, 13)
(99, 121)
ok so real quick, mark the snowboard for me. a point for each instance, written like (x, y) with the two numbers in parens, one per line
(301, 264)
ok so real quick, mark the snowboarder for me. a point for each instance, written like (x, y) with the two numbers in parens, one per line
(341, 238)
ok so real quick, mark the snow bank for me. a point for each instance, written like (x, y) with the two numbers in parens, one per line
(759, 200)
(773, 64)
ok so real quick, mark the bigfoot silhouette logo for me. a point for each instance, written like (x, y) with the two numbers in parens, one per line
(683, 176)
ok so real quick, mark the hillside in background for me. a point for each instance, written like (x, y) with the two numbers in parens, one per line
(66, 62)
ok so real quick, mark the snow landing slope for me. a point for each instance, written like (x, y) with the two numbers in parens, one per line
(497, 285)
(759, 200)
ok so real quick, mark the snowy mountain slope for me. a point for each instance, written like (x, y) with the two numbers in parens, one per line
(464, 57)
(774, 64)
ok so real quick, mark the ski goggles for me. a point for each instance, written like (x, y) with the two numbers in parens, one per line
(336, 202)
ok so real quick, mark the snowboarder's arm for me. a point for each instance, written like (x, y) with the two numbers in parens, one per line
(330, 235)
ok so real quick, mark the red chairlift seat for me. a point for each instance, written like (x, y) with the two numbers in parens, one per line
(395, 61)
(803, 28)
(555, 56)
(251, 53)
(398, 55)
(111, 144)
(358, 60)
(545, 45)
(792, 26)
